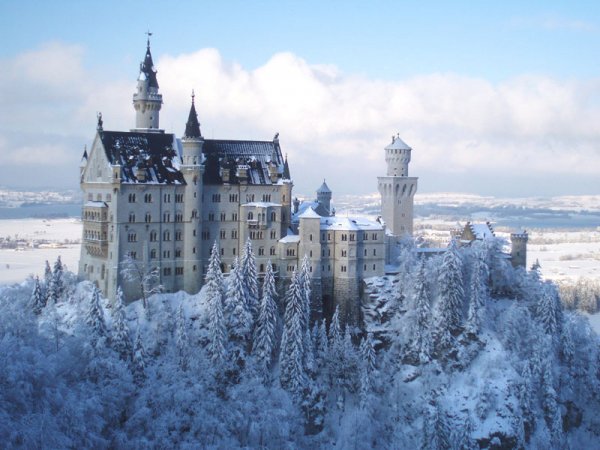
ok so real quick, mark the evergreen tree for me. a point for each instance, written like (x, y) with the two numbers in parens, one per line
(58, 277)
(250, 279)
(436, 432)
(120, 339)
(306, 288)
(450, 302)
(264, 340)
(292, 370)
(321, 343)
(47, 280)
(95, 317)
(478, 295)
(367, 352)
(139, 360)
(181, 338)
(335, 331)
(548, 310)
(37, 298)
(217, 330)
(237, 313)
(524, 394)
(52, 292)
(420, 344)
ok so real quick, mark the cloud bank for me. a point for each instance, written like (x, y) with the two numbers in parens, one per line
(467, 133)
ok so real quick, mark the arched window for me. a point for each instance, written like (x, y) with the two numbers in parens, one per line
(250, 216)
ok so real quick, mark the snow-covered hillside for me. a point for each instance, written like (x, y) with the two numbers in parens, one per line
(456, 351)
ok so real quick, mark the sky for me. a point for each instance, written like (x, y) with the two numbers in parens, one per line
(495, 98)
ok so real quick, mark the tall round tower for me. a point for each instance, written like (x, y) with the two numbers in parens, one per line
(147, 101)
(397, 189)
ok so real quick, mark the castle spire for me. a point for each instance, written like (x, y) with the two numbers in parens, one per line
(147, 101)
(192, 127)
(286, 169)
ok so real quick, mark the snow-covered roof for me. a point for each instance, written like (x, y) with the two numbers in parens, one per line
(309, 213)
(350, 223)
(397, 144)
(94, 204)
(481, 230)
(262, 204)
(290, 238)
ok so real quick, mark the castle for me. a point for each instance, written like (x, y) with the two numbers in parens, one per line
(162, 202)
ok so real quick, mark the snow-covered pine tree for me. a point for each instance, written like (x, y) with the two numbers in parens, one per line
(47, 279)
(58, 276)
(550, 403)
(548, 310)
(291, 358)
(237, 313)
(37, 301)
(335, 331)
(181, 338)
(420, 343)
(217, 330)
(250, 279)
(448, 313)
(52, 292)
(478, 295)
(321, 343)
(95, 318)
(120, 339)
(367, 352)
(306, 288)
(436, 432)
(524, 394)
(138, 366)
(264, 339)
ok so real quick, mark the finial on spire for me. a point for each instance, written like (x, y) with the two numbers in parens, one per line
(193, 96)
(148, 34)
(192, 126)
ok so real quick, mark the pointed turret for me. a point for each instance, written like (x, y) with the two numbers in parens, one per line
(192, 127)
(324, 195)
(147, 101)
(286, 170)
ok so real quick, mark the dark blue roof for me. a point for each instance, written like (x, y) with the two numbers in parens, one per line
(152, 152)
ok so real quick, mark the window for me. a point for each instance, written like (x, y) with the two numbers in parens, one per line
(374, 266)
(166, 254)
(374, 236)
(178, 235)
(273, 234)
(216, 198)
(108, 198)
(131, 198)
(166, 217)
(179, 217)
(262, 268)
(194, 268)
(291, 268)
(148, 218)
(250, 216)
(352, 235)
(273, 216)
(223, 218)
(290, 252)
(147, 198)
(132, 237)
(310, 254)
(343, 269)
(178, 270)
(166, 236)
(323, 253)
(328, 252)
(222, 234)
(131, 217)
(261, 252)
(133, 255)
(167, 198)
(266, 197)
(374, 252)
(344, 237)
(365, 252)
(206, 235)
(272, 251)
(91, 197)
(234, 234)
(211, 217)
(194, 214)
(194, 250)
(310, 237)
(256, 235)
(234, 217)
(365, 267)
(178, 198)
(153, 253)
(167, 271)
(366, 237)
(249, 198)
(233, 198)
(153, 236)
(233, 251)
(222, 251)
(344, 253)
(328, 236)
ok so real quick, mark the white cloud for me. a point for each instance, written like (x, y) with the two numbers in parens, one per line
(333, 125)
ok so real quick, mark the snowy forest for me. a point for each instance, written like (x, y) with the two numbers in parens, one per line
(457, 351)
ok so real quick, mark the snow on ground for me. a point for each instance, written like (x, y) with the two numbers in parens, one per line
(16, 265)
(594, 321)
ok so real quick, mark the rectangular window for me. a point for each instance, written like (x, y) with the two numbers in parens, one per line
(167, 271)
(234, 234)
(206, 235)
(343, 253)
(222, 234)
(234, 217)
(216, 198)
(178, 235)
(233, 198)
(178, 253)
(167, 198)
(178, 198)
(223, 218)
(178, 270)
(211, 217)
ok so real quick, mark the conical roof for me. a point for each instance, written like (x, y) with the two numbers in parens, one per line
(324, 189)
(147, 68)
(398, 144)
(192, 127)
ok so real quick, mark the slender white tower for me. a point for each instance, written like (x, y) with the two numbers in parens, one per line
(147, 101)
(397, 189)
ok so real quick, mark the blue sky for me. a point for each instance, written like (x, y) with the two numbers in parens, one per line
(530, 57)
